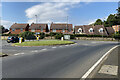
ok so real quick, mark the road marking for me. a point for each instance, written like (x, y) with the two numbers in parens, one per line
(95, 65)
(35, 51)
(44, 49)
(18, 53)
(60, 46)
(54, 47)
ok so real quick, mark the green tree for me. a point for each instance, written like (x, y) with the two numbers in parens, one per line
(98, 22)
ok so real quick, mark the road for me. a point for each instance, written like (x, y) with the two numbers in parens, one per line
(66, 61)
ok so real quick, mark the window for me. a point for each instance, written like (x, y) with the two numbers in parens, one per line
(13, 29)
(69, 30)
(54, 30)
(41, 30)
(80, 30)
(101, 30)
(33, 30)
(91, 30)
(63, 30)
(21, 30)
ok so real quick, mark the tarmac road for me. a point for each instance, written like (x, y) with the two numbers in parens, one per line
(66, 61)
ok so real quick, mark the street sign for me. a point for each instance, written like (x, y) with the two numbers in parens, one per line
(67, 37)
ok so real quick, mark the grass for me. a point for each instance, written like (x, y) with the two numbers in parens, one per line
(43, 43)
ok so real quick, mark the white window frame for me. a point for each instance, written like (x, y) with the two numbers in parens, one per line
(32, 30)
(91, 30)
(80, 30)
(63, 30)
(101, 30)
(54, 30)
(41, 30)
(21, 30)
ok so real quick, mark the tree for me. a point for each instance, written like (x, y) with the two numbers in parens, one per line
(98, 22)
(2, 29)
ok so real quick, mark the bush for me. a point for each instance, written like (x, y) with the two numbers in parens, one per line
(42, 35)
(116, 36)
(47, 35)
(58, 36)
(27, 35)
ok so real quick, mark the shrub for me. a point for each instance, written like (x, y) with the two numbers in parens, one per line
(27, 35)
(42, 35)
(116, 36)
(58, 36)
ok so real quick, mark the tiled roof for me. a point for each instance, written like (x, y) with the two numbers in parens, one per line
(96, 28)
(38, 26)
(110, 30)
(61, 26)
(19, 26)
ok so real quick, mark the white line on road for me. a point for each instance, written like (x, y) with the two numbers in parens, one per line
(44, 49)
(54, 47)
(18, 53)
(95, 65)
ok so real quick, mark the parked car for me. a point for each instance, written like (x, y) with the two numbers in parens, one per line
(12, 39)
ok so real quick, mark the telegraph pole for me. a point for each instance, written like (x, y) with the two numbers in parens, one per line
(36, 18)
(67, 25)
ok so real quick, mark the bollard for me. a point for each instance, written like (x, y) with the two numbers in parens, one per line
(62, 38)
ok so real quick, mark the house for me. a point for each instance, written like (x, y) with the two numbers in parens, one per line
(61, 28)
(91, 30)
(19, 28)
(110, 31)
(116, 28)
(37, 28)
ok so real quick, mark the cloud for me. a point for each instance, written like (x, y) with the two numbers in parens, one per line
(6, 23)
(60, 0)
(49, 12)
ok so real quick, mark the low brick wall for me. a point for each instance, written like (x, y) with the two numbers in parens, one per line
(94, 38)
(49, 38)
(4, 37)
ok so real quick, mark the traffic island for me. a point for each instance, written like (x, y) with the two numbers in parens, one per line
(43, 43)
(3, 55)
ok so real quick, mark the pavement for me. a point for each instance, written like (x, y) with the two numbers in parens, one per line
(65, 61)
(109, 68)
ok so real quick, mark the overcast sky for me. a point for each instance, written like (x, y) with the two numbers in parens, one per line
(79, 13)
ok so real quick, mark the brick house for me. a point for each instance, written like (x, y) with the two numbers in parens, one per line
(61, 28)
(37, 28)
(91, 30)
(19, 28)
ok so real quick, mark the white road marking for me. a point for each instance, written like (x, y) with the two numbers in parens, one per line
(44, 49)
(54, 47)
(95, 65)
(35, 51)
(19, 53)
(60, 46)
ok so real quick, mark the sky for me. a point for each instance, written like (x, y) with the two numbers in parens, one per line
(77, 13)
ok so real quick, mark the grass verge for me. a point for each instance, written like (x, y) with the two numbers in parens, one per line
(43, 43)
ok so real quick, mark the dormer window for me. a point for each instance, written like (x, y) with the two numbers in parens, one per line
(101, 30)
(91, 30)
(80, 30)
